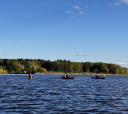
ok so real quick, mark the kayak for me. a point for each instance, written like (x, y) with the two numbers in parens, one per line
(68, 78)
(100, 77)
(31, 78)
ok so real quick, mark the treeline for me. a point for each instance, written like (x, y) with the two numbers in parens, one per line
(43, 66)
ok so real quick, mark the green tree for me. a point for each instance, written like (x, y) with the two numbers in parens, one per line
(18, 68)
(87, 67)
(41, 70)
(32, 67)
(95, 70)
(126, 70)
(1, 69)
(117, 71)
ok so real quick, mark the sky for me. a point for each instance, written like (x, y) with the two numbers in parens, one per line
(75, 30)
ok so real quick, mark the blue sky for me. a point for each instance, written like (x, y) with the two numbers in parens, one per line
(75, 30)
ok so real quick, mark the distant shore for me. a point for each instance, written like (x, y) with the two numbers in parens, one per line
(59, 73)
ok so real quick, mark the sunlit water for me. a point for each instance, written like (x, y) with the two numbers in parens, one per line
(51, 94)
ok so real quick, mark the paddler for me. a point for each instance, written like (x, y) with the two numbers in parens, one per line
(97, 76)
(30, 76)
(64, 75)
(67, 75)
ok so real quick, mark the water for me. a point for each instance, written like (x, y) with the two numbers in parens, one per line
(49, 94)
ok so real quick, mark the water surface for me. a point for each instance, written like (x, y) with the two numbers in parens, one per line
(51, 94)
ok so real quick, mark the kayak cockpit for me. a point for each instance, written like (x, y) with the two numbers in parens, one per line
(67, 77)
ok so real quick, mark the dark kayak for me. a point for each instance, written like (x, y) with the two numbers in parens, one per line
(100, 77)
(67, 78)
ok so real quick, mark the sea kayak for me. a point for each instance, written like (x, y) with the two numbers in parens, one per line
(99, 77)
(68, 78)
(31, 78)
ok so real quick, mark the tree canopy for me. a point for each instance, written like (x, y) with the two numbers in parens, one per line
(43, 66)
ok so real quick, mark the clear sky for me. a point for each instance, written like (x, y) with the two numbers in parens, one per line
(75, 30)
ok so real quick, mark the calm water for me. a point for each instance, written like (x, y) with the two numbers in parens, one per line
(50, 94)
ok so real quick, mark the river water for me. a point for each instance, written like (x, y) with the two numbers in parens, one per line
(49, 94)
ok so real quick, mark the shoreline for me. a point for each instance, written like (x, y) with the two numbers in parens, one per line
(55, 73)
(60, 73)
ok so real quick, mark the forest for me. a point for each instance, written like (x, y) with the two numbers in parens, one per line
(20, 66)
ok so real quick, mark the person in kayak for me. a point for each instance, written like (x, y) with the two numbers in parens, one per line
(67, 76)
(97, 76)
(64, 75)
(30, 76)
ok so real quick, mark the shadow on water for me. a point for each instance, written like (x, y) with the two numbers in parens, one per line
(51, 94)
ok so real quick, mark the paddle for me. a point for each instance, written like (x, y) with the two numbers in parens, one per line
(29, 75)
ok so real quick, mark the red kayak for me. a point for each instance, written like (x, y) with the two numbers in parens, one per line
(67, 78)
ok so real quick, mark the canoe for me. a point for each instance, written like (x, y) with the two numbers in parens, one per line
(68, 78)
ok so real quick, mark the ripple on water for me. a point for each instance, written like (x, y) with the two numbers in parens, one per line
(50, 94)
